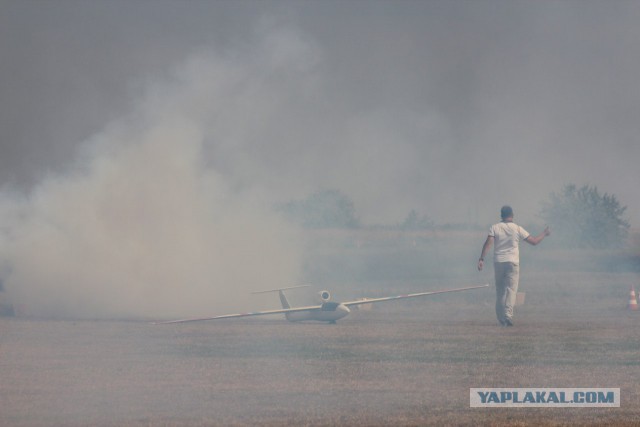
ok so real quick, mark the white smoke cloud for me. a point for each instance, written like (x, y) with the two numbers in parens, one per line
(144, 224)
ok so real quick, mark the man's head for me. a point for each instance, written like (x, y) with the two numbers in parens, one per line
(506, 212)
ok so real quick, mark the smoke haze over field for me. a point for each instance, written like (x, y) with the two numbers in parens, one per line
(143, 143)
(140, 225)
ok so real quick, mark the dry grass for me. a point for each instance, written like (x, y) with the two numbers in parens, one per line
(401, 364)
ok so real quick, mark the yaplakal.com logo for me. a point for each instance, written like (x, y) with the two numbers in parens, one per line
(544, 397)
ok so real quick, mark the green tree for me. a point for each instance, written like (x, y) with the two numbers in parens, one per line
(324, 209)
(415, 221)
(582, 217)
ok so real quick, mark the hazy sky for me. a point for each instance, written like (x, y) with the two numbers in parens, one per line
(449, 107)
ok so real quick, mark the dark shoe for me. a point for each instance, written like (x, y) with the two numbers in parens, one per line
(508, 322)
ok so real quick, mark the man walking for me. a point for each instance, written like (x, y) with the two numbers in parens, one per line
(506, 236)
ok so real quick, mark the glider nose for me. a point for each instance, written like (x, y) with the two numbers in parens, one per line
(344, 310)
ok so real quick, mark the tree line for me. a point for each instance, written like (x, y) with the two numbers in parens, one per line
(580, 217)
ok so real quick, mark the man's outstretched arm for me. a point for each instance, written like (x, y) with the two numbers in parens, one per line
(537, 239)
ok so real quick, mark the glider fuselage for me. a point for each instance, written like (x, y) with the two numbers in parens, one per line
(328, 312)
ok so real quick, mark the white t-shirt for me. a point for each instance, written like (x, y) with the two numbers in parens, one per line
(507, 237)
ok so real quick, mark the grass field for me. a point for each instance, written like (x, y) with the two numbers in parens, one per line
(409, 363)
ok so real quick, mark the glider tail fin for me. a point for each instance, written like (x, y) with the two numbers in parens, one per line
(283, 298)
